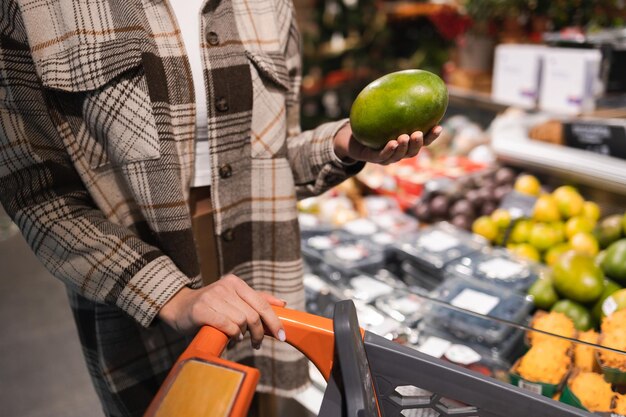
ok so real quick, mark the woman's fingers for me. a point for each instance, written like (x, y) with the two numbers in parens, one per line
(432, 135)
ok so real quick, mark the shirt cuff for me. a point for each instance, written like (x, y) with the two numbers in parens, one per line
(153, 286)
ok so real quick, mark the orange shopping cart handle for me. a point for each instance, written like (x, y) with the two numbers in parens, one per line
(312, 335)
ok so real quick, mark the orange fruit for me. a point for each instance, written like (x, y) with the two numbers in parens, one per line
(585, 244)
(578, 224)
(546, 209)
(569, 202)
(527, 184)
(398, 103)
(543, 236)
(591, 210)
(485, 227)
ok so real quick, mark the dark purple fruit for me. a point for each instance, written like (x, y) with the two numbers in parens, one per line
(504, 176)
(439, 206)
(422, 211)
(462, 207)
(473, 196)
(500, 192)
(488, 208)
(486, 194)
(462, 221)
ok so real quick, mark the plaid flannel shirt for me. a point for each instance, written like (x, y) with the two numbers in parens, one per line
(96, 155)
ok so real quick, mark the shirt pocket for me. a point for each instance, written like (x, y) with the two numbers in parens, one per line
(102, 91)
(271, 85)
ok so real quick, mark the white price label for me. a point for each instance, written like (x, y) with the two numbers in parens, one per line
(320, 242)
(360, 227)
(462, 354)
(350, 253)
(475, 301)
(434, 346)
(367, 288)
(500, 268)
(437, 241)
(529, 386)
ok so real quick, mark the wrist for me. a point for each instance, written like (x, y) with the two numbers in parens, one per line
(170, 311)
(341, 143)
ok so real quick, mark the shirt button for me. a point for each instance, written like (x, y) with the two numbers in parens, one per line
(212, 38)
(221, 104)
(226, 171)
(228, 235)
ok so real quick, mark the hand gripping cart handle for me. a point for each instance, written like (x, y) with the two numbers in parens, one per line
(368, 376)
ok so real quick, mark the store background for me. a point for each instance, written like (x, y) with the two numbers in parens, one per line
(347, 43)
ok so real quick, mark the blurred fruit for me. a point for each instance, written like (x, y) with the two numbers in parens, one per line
(397, 103)
(462, 207)
(578, 224)
(462, 221)
(546, 209)
(525, 251)
(502, 218)
(600, 258)
(521, 231)
(624, 224)
(608, 230)
(543, 236)
(610, 287)
(591, 211)
(577, 312)
(439, 206)
(614, 262)
(569, 202)
(554, 253)
(614, 302)
(527, 184)
(485, 227)
(543, 294)
(559, 229)
(500, 192)
(504, 176)
(578, 278)
(584, 243)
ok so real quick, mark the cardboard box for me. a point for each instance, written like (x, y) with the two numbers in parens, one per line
(570, 80)
(516, 74)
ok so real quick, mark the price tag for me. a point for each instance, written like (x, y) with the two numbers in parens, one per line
(475, 301)
(320, 242)
(369, 288)
(434, 346)
(605, 139)
(500, 268)
(462, 354)
(350, 253)
(437, 241)
(529, 386)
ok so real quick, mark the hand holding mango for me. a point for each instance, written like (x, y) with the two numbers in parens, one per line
(387, 111)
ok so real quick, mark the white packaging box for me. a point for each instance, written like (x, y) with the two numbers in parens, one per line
(516, 74)
(570, 80)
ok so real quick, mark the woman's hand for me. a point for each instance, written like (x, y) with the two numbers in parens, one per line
(347, 148)
(229, 305)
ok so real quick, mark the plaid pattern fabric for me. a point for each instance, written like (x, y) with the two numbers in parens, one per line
(96, 156)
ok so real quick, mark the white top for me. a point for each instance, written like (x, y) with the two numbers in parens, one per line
(188, 15)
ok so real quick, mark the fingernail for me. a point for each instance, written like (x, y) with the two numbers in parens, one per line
(256, 346)
(284, 301)
(240, 337)
(281, 335)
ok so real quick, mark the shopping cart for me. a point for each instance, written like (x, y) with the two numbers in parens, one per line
(368, 376)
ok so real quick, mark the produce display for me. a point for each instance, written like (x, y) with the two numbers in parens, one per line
(541, 259)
